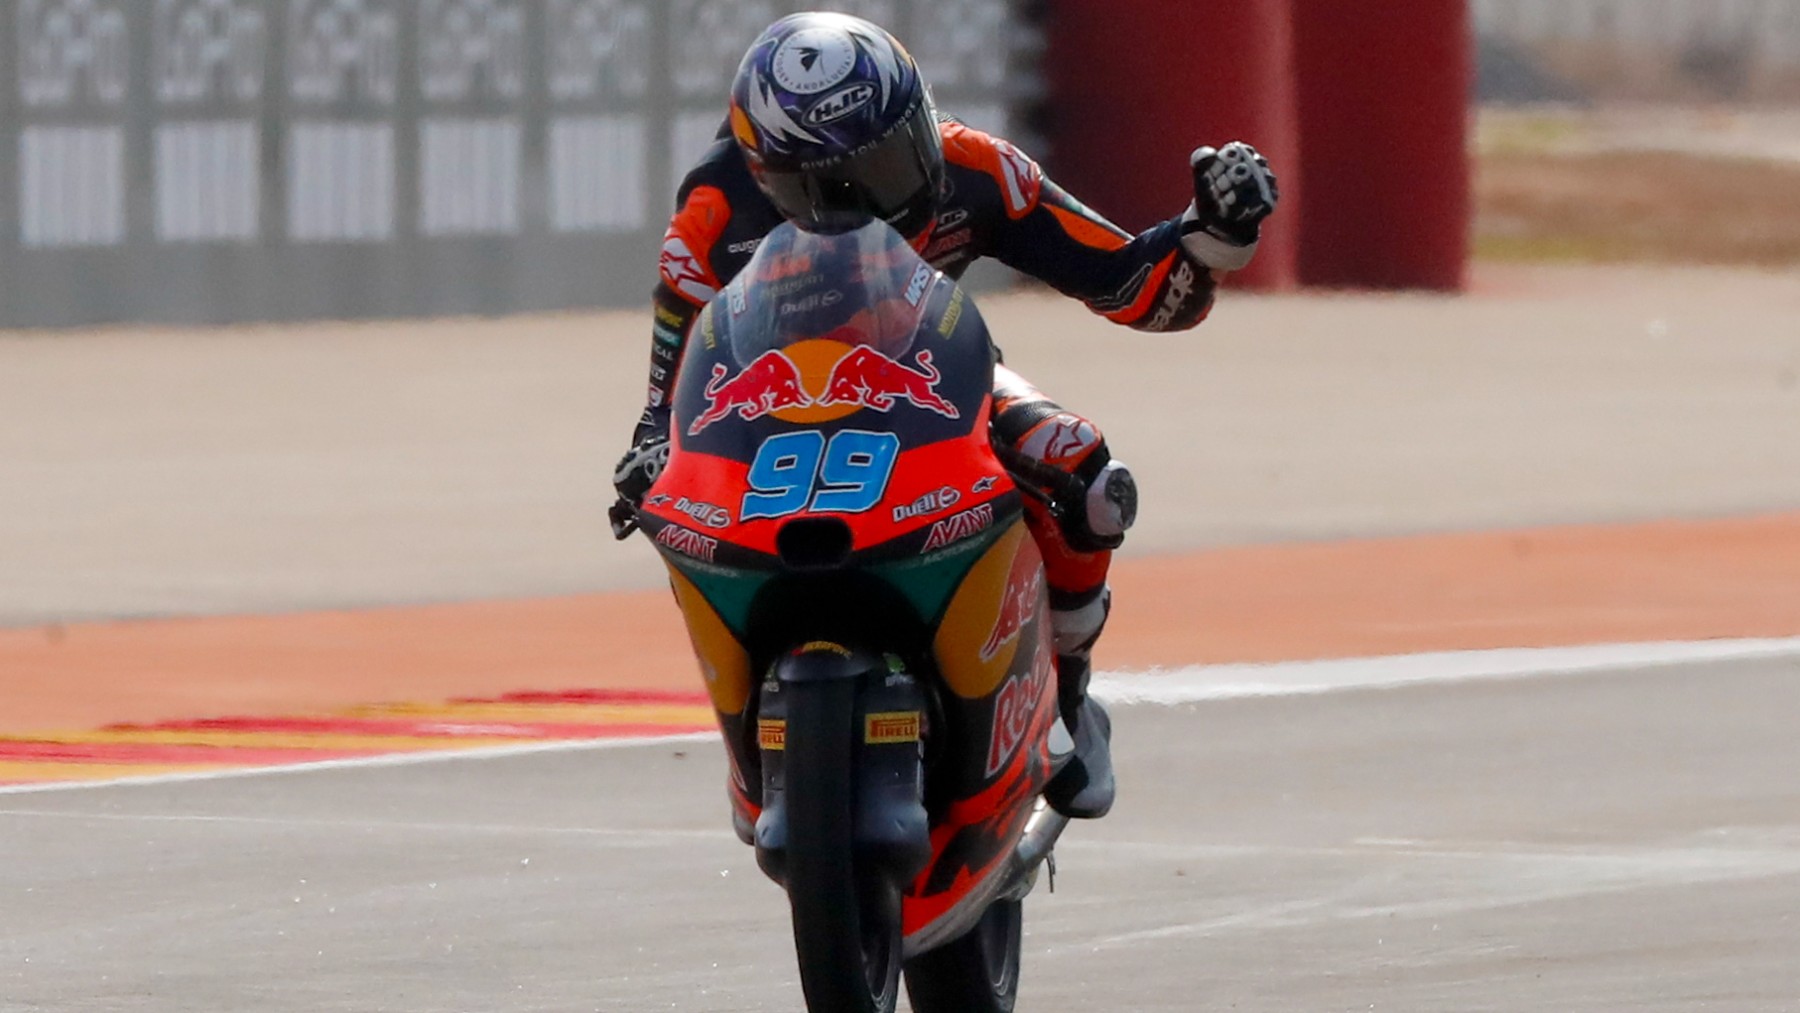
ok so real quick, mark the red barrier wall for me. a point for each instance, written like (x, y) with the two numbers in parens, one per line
(1364, 102)
(1137, 84)
(1384, 92)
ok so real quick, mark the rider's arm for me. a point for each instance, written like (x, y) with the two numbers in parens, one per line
(685, 282)
(1148, 281)
(1161, 279)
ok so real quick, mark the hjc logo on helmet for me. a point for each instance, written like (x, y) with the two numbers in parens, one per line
(839, 104)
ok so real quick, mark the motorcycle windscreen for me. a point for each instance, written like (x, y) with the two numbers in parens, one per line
(837, 374)
(822, 326)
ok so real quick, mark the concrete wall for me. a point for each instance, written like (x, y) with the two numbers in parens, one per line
(222, 160)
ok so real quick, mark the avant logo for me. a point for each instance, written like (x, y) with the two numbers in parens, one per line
(957, 527)
(688, 543)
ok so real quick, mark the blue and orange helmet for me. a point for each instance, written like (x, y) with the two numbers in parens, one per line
(836, 123)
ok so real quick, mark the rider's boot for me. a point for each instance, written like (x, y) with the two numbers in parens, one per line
(1084, 788)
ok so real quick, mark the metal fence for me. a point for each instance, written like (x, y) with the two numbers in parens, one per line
(1658, 49)
(224, 160)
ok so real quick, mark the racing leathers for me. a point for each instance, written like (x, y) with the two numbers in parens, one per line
(996, 203)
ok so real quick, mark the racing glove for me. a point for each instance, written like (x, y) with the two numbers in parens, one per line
(1234, 190)
(635, 473)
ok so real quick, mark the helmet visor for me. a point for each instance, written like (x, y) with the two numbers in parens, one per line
(897, 180)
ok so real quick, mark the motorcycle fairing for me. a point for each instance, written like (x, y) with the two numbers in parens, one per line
(848, 353)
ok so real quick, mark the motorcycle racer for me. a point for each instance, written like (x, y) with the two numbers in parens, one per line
(829, 116)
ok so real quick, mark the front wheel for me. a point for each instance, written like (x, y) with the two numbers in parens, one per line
(846, 918)
(976, 973)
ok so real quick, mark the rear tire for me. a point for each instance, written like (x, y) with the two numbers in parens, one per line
(846, 919)
(976, 973)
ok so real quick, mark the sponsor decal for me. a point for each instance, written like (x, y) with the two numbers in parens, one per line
(870, 379)
(839, 104)
(738, 302)
(888, 727)
(1022, 177)
(948, 243)
(688, 543)
(921, 280)
(658, 500)
(773, 384)
(668, 316)
(952, 218)
(769, 383)
(930, 503)
(828, 646)
(684, 272)
(745, 246)
(1013, 707)
(658, 373)
(984, 483)
(784, 265)
(1016, 609)
(1060, 440)
(663, 352)
(957, 527)
(666, 335)
(813, 59)
(830, 297)
(771, 734)
(1181, 287)
(706, 513)
(654, 396)
(952, 313)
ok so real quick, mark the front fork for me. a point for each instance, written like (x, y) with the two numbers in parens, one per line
(891, 832)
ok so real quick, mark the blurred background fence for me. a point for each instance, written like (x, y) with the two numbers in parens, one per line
(1647, 50)
(226, 160)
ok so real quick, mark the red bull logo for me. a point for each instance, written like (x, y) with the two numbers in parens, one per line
(870, 379)
(768, 384)
(1016, 610)
(821, 380)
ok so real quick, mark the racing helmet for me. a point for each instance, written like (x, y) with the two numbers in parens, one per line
(836, 123)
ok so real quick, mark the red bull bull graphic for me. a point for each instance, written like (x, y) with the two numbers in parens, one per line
(770, 383)
(820, 380)
(870, 379)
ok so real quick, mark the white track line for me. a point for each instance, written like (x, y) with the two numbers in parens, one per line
(1194, 684)
(1225, 682)
(385, 760)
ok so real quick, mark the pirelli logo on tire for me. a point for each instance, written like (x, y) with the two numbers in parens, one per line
(890, 727)
(771, 734)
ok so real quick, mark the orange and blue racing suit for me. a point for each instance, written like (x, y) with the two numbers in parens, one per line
(997, 203)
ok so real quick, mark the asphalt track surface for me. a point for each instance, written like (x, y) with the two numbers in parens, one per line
(272, 469)
(1615, 840)
(1618, 840)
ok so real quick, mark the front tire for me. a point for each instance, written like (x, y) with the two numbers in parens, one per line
(846, 919)
(975, 973)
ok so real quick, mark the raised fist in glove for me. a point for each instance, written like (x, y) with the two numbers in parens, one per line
(636, 472)
(1234, 190)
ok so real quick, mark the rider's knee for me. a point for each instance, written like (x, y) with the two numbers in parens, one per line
(1109, 507)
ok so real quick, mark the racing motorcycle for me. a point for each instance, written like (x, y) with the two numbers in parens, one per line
(870, 616)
